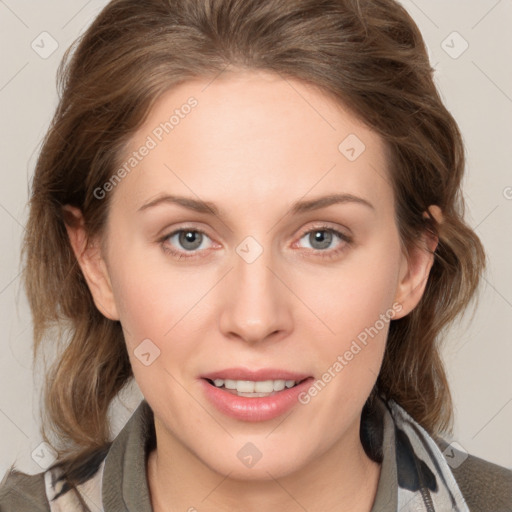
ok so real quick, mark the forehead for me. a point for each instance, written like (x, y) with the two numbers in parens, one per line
(254, 134)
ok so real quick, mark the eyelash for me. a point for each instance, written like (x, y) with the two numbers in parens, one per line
(321, 253)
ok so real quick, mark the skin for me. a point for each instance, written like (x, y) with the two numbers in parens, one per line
(254, 144)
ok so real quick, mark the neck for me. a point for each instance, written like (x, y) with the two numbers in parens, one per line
(340, 480)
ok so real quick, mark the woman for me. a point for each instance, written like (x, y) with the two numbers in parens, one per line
(254, 210)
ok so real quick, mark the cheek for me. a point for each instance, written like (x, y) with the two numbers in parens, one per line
(152, 296)
(154, 314)
(355, 306)
(354, 295)
(164, 305)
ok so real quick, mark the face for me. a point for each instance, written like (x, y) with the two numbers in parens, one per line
(264, 277)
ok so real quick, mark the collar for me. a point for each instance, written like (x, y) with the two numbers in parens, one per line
(124, 484)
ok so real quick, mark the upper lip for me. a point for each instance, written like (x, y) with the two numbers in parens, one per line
(255, 375)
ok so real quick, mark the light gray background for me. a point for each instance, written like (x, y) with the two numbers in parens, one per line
(476, 87)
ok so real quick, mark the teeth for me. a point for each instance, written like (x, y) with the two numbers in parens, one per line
(230, 384)
(250, 386)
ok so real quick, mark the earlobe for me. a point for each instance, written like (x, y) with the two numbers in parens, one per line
(91, 261)
(415, 268)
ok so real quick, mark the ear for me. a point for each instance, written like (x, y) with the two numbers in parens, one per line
(415, 268)
(89, 256)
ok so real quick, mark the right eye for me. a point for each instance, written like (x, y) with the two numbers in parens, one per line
(189, 239)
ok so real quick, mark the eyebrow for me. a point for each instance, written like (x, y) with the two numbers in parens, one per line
(298, 207)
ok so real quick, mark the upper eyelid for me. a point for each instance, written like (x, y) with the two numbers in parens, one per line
(323, 227)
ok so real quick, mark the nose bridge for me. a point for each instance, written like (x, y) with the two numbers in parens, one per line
(255, 306)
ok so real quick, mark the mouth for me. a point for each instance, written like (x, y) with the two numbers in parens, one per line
(254, 388)
(253, 396)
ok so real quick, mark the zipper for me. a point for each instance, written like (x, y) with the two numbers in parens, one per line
(427, 499)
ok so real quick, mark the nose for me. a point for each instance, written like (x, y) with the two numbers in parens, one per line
(256, 303)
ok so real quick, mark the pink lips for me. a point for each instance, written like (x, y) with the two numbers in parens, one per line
(254, 408)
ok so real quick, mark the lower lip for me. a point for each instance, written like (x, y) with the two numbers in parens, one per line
(258, 408)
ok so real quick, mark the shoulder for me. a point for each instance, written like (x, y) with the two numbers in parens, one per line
(20, 492)
(46, 492)
(485, 486)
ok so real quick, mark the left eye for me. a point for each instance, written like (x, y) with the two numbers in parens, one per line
(321, 238)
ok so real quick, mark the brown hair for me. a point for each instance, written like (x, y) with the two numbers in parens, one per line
(367, 54)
